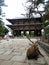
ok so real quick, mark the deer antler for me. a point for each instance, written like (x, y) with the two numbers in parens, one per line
(29, 39)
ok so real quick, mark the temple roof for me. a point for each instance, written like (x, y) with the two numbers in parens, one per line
(13, 21)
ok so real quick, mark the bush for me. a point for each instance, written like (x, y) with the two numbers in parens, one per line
(3, 29)
(47, 29)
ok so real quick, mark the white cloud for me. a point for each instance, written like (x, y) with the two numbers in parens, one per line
(14, 9)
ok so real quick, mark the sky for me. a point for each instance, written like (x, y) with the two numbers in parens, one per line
(14, 9)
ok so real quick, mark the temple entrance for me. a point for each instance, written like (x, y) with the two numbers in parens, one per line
(26, 26)
(30, 33)
(37, 33)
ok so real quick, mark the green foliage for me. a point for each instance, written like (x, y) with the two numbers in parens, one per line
(47, 7)
(36, 2)
(1, 2)
(3, 29)
(32, 33)
(46, 23)
(6, 30)
(0, 10)
(39, 1)
(47, 30)
(1, 23)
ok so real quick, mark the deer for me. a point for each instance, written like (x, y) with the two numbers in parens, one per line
(33, 51)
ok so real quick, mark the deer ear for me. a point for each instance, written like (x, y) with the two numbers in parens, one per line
(36, 44)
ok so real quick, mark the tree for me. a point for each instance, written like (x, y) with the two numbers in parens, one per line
(1, 4)
(34, 6)
(46, 17)
(3, 29)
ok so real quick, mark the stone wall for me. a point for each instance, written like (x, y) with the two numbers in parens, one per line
(44, 45)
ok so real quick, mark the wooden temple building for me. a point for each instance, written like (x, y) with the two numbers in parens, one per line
(26, 24)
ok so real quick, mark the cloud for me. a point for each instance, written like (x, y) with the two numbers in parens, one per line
(14, 9)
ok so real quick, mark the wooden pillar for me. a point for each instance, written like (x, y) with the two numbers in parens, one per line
(39, 32)
(35, 32)
(19, 32)
(30, 33)
(24, 32)
(14, 32)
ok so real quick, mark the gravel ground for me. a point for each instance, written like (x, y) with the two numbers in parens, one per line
(13, 52)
